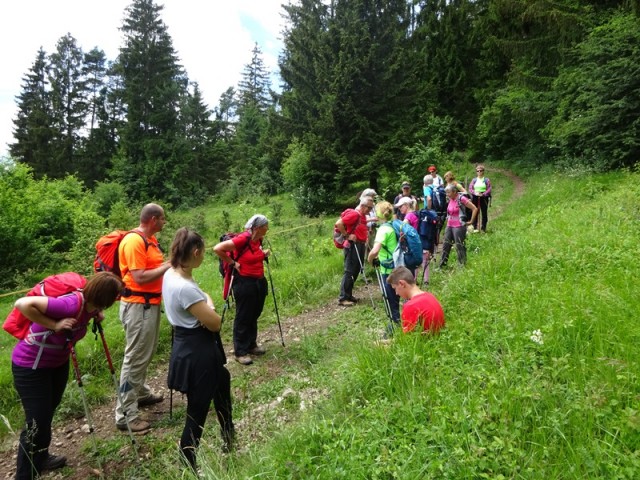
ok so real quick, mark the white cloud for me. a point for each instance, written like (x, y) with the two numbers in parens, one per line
(213, 39)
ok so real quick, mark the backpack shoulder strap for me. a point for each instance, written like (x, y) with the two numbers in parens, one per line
(144, 239)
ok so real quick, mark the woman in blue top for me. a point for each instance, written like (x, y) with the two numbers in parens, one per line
(197, 360)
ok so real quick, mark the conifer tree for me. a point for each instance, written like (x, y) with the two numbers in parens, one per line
(33, 124)
(151, 158)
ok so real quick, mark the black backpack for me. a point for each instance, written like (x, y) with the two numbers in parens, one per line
(439, 200)
(427, 224)
(465, 213)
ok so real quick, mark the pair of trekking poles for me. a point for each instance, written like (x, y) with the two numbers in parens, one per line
(97, 329)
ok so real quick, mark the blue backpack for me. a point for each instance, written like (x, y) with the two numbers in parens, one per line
(409, 251)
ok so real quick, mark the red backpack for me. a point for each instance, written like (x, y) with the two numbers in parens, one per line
(107, 251)
(225, 269)
(53, 286)
(349, 217)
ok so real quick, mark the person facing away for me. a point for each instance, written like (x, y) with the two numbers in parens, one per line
(406, 192)
(427, 192)
(383, 247)
(248, 284)
(197, 360)
(456, 231)
(437, 179)
(40, 363)
(480, 189)
(421, 308)
(142, 266)
(450, 179)
(352, 224)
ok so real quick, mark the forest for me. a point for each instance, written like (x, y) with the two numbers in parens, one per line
(370, 92)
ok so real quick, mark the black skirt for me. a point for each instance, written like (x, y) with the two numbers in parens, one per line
(197, 356)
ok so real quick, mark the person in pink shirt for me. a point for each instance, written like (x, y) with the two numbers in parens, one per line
(40, 363)
(456, 231)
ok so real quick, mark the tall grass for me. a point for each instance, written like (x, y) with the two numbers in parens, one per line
(491, 397)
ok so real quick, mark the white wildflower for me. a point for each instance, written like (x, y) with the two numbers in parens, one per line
(536, 336)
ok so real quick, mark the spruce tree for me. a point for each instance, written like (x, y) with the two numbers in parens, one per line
(151, 158)
(32, 126)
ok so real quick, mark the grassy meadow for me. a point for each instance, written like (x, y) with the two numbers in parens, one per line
(534, 377)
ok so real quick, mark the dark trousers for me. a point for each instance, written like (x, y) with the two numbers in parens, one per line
(353, 260)
(483, 205)
(40, 392)
(393, 298)
(455, 235)
(199, 399)
(250, 294)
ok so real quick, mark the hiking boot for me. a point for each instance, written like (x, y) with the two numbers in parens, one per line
(136, 425)
(354, 299)
(346, 303)
(151, 399)
(258, 350)
(244, 359)
(53, 462)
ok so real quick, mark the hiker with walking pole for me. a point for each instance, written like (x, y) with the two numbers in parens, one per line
(40, 362)
(383, 247)
(244, 253)
(480, 189)
(197, 364)
(352, 227)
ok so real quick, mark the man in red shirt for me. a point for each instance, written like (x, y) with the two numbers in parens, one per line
(352, 224)
(420, 307)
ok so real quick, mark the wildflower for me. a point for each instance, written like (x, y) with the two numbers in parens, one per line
(536, 336)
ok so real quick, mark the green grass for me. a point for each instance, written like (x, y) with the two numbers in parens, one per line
(482, 399)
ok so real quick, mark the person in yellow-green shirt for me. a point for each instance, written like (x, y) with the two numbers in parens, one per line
(383, 247)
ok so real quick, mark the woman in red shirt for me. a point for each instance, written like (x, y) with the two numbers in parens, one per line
(249, 285)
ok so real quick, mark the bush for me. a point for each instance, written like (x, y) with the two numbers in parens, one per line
(38, 223)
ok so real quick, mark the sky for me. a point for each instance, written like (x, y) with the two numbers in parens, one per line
(213, 40)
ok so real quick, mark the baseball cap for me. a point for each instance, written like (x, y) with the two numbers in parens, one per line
(432, 168)
(404, 201)
(406, 184)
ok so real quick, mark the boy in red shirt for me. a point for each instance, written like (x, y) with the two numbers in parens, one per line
(420, 307)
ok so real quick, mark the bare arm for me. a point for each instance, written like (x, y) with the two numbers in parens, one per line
(206, 314)
(373, 254)
(221, 250)
(474, 212)
(34, 307)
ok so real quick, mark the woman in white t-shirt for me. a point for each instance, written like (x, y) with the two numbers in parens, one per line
(197, 360)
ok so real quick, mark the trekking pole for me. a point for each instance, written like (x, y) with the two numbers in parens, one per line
(385, 298)
(83, 395)
(275, 303)
(275, 258)
(226, 300)
(97, 326)
(366, 282)
(173, 334)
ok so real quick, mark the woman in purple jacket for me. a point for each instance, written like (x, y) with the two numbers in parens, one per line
(40, 363)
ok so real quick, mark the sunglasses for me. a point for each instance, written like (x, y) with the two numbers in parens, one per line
(479, 170)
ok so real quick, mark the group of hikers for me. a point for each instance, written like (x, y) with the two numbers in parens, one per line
(142, 280)
(373, 232)
(41, 358)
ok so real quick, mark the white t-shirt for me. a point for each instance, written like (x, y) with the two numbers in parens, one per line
(178, 294)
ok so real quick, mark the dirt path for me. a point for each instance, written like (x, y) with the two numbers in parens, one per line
(74, 440)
